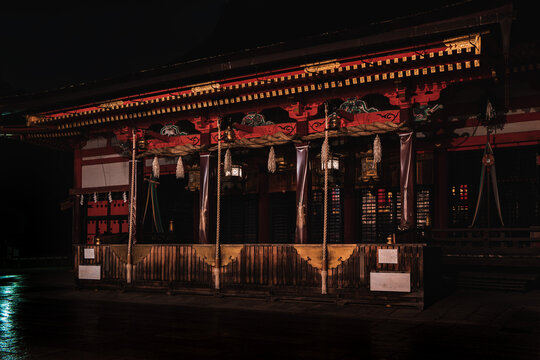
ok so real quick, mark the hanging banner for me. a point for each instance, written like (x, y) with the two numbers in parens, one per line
(406, 181)
(302, 161)
(204, 199)
(488, 163)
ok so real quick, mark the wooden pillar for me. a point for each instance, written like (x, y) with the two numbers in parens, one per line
(77, 182)
(440, 209)
(302, 192)
(264, 206)
(349, 203)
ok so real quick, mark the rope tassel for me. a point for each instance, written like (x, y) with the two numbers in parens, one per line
(272, 160)
(227, 163)
(155, 167)
(377, 150)
(180, 168)
(324, 153)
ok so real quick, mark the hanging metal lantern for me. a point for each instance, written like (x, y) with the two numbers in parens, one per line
(142, 144)
(228, 135)
(236, 171)
(332, 163)
(334, 123)
(194, 178)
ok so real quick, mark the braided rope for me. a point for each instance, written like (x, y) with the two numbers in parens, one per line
(218, 210)
(131, 207)
(325, 215)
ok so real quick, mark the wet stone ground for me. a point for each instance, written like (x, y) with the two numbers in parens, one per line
(42, 316)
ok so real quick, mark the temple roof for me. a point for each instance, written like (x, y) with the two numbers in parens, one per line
(235, 52)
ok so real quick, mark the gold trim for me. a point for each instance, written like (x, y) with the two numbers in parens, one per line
(205, 87)
(321, 66)
(464, 42)
(111, 104)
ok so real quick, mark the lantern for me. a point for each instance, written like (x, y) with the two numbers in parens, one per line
(236, 170)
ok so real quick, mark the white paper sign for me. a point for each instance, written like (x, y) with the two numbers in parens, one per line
(90, 272)
(388, 256)
(89, 254)
(390, 281)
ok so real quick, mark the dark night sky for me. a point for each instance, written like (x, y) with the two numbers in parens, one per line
(48, 47)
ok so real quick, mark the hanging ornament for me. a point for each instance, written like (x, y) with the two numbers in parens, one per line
(155, 167)
(325, 149)
(272, 160)
(81, 201)
(377, 151)
(110, 197)
(227, 164)
(180, 168)
(95, 197)
(490, 112)
(124, 197)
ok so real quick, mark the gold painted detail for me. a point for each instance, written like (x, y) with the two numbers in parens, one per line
(33, 119)
(229, 253)
(206, 253)
(311, 253)
(464, 42)
(339, 253)
(205, 87)
(111, 104)
(139, 252)
(318, 67)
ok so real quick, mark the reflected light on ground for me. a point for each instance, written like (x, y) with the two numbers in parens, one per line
(10, 342)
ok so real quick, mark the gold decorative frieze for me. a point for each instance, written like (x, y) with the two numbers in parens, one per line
(319, 67)
(111, 104)
(464, 42)
(205, 87)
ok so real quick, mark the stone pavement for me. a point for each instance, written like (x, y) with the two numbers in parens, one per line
(511, 311)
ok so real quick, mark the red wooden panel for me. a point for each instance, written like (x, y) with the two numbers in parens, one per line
(119, 207)
(98, 208)
(115, 226)
(102, 226)
(124, 228)
(91, 227)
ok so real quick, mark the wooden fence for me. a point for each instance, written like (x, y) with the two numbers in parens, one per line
(271, 269)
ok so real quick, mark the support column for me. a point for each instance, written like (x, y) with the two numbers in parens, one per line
(440, 216)
(76, 216)
(264, 206)
(407, 177)
(302, 164)
(349, 203)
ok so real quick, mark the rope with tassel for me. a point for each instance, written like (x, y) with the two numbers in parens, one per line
(131, 209)
(217, 264)
(180, 168)
(324, 157)
(227, 163)
(272, 160)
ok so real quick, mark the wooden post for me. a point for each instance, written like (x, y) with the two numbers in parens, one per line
(349, 203)
(440, 220)
(264, 204)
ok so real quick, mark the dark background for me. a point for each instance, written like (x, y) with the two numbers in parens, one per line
(47, 47)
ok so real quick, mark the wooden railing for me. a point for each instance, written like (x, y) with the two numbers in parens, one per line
(271, 268)
(487, 238)
(515, 247)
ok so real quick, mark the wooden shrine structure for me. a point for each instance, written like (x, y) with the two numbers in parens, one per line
(208, 176)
